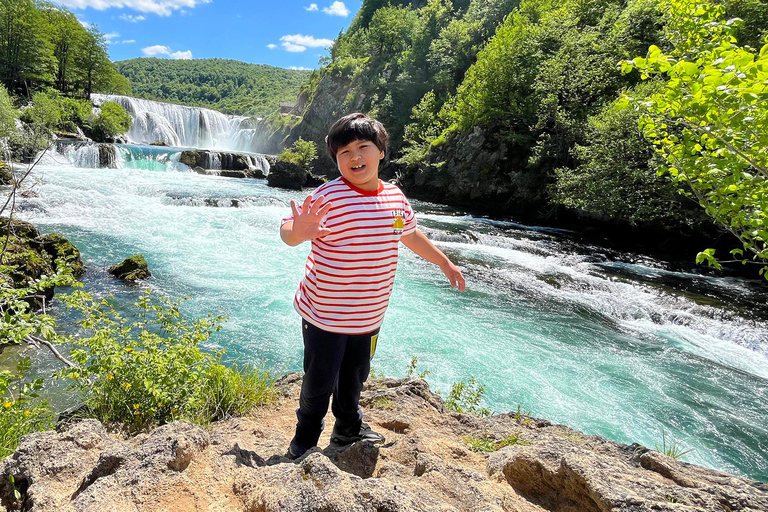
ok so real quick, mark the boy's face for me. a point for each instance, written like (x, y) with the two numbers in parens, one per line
(358, 162)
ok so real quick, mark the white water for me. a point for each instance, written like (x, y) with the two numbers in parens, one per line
(181, 126)
(569, 332)
(130, 156)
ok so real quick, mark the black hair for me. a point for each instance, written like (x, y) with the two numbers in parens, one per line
(354, 127)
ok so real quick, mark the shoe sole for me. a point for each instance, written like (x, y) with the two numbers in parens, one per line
(348, 440)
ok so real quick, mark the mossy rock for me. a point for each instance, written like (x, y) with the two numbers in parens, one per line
(193, 158)
(19, 229)
(6, 175)
(287, 175)
(64, 253)
(159, 143)
(131, 269)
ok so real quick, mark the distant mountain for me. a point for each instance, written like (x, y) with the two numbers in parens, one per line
(230, 86)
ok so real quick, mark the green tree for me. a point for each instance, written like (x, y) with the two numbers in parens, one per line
(26, 55)
(93, 61)
(616, 173)
(710, 123)
(8, 113)
(66, 35)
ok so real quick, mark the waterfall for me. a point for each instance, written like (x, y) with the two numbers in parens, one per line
(92, 155)
(182, 126)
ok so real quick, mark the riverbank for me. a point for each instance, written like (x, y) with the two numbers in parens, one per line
(429, 462)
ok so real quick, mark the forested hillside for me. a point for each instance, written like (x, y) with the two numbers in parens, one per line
(514, 106)
(44, 45)
(229, 86)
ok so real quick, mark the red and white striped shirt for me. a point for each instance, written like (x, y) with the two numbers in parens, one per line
(350, 272)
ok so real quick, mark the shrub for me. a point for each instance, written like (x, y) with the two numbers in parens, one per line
(148, 370)
(413, 369)
(487, 443)
(303, 153)
(113, 120)
(21, 410)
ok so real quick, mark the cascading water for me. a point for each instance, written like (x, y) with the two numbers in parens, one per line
(181, 126)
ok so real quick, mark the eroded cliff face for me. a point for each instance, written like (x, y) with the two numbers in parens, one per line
(425, 465)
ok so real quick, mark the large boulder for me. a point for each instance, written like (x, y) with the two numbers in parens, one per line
(131, 269)
(287, 175)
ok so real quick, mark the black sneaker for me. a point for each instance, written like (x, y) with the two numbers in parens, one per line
(294, 453)
(354, 434)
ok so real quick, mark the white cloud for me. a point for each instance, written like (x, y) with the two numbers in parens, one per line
(158, 49)
(336, 9)
(299, 68)
(295, 48)
(132, 18)
(312, 7)
(112, 35)
(128, 41)
(271, 46)
(187, 55)
(85, 24)
(159, 7)
(310, 41)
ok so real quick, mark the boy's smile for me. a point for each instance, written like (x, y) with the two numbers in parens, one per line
(359, 163)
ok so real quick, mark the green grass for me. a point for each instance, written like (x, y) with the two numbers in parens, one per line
(487, 443)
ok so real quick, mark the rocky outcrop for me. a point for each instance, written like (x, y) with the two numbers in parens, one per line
(32, 255)
(292, 176)
(230, 165)
(478, 171)
(131, 269)
(425, 465)
(287, 175)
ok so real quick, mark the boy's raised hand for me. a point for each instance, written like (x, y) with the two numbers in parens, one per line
(306, 224)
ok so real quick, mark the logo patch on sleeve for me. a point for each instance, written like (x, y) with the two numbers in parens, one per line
(398, 226)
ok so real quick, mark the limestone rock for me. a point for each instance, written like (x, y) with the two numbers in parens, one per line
(131, 269)
(238, 465)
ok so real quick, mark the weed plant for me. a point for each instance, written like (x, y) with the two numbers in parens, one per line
(412, 369)
(466, 397)
(670, 448)
(487, 443)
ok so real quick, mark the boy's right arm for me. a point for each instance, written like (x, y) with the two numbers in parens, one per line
(306, 223)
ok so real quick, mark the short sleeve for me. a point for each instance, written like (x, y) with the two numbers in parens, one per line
(410, 218)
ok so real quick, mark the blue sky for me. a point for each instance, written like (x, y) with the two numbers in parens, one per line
(284, 33)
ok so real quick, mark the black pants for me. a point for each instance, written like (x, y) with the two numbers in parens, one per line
(334, 364)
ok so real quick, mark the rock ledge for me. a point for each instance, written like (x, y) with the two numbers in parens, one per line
(238, 465)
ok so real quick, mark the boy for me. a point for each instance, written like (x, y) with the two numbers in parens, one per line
(355, 223)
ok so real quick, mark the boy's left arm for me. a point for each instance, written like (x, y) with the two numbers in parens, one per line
(420, 244)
